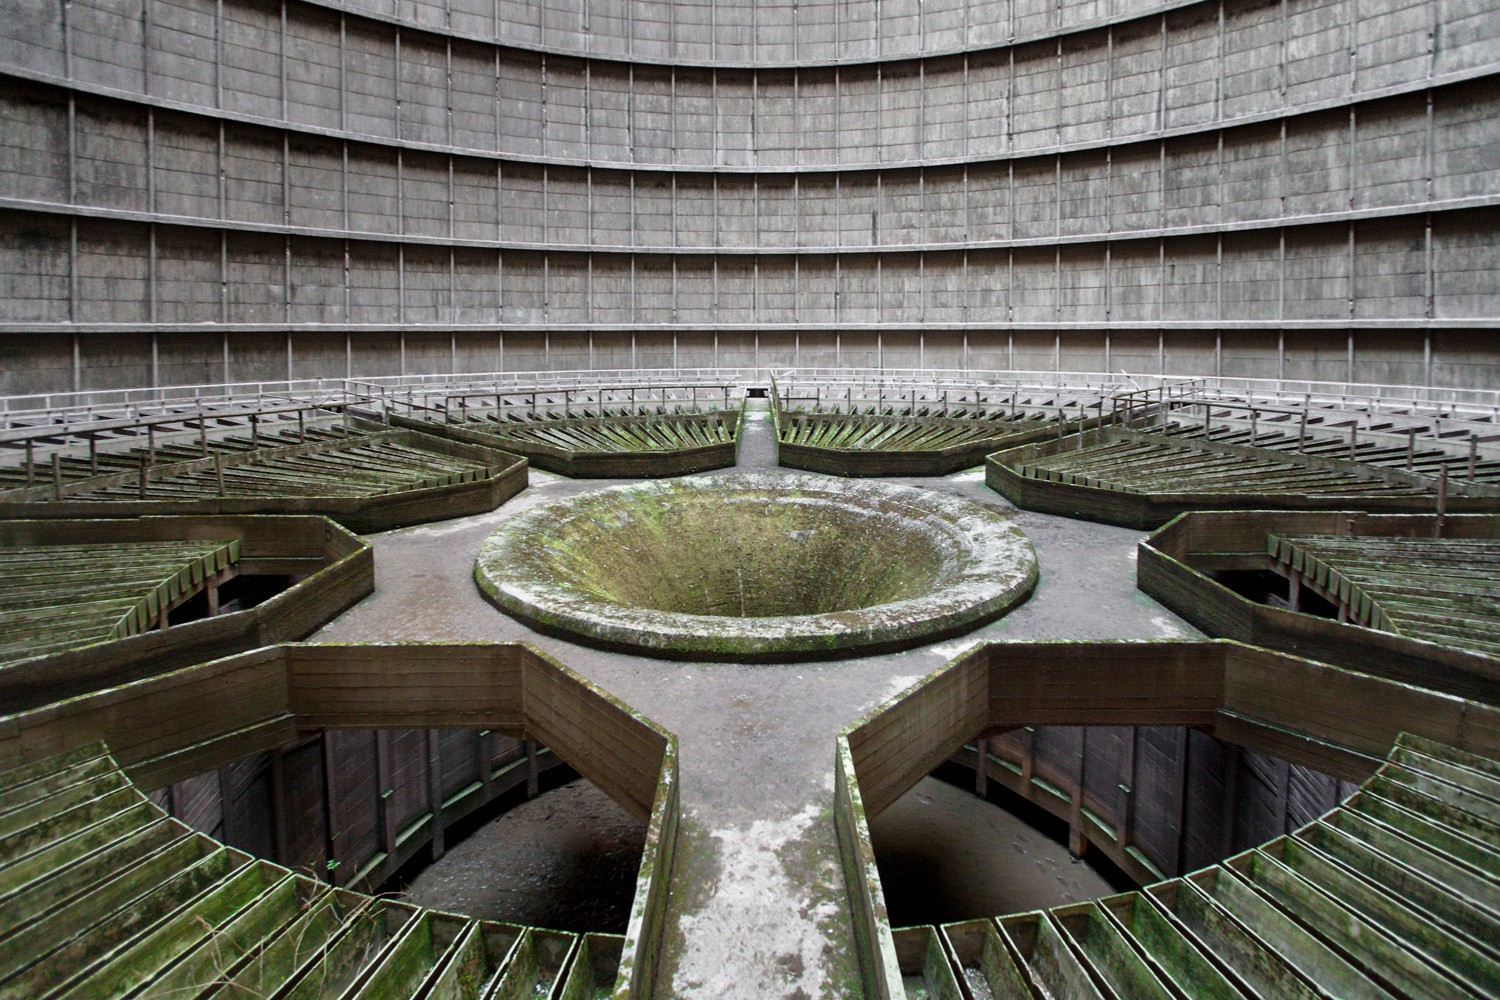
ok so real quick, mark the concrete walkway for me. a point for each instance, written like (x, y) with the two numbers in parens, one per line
(758, 908)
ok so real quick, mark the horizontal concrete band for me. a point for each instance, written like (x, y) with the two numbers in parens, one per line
(734, 35)
(1413, 269)
(1020, 101)
(1292, 226)
(69, 360)
(112, 159)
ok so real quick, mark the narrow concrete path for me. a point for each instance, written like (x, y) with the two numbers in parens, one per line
(757, 907)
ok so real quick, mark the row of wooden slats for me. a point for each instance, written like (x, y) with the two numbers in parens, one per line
(1445, 590)
(78, 466)
(103, 895)
(622, 437)
(1396, 893)
(892, 433)
(1164, 466)
(1424, 461)
(356, 467)
(57, 597)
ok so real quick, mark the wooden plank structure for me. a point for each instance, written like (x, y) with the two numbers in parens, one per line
(600, 446)
(1418, 593)
(86, 603)
(1396, 893)
(1422, 458)
(367, 477)
(82, 910)
(1142, 479)
(102, 894)
(1444, 590)
(850, 436)
(57, 597)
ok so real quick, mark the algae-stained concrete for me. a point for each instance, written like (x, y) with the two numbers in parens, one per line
(758, 908)
(757, 566)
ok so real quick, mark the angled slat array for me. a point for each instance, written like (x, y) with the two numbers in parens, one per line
(1159, 466)
(77, 465)
(894, 433)
(57, 597)
(103, 895)
(1445, 590)
(1394, 894)
(360, 466)
(604, 436)
(1423, 461)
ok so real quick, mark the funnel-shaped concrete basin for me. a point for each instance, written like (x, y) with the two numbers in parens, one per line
(757, 566)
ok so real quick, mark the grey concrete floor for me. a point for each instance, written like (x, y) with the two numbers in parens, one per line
(757, 908)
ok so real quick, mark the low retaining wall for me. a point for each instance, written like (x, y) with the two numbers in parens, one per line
(596, 464)
(1242, 695)
(1145, 511)
(505, 476)
(334, 570)
(1167, 569)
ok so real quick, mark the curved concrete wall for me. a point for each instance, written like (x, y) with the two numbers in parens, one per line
(200, 190)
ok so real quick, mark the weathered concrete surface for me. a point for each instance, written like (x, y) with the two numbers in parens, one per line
(758, 905)
(753, 566)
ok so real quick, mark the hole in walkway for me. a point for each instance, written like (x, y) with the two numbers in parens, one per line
(566, 859)
(945, 854)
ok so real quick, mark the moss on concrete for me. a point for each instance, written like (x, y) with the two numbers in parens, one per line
(757, 567)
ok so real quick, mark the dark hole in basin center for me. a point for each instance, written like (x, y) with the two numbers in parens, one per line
(752, 559)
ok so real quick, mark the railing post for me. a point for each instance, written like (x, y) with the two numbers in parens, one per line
(1442, 502)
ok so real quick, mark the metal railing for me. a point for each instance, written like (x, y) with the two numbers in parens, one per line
(59, 417)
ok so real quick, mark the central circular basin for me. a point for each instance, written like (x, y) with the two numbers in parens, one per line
(757, 566)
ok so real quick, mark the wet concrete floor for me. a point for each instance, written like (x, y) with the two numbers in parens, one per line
(757, 908)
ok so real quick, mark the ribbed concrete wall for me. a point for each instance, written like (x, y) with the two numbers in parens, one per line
(201, 190)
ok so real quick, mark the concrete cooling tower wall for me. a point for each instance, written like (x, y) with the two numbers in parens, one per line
(198, 191)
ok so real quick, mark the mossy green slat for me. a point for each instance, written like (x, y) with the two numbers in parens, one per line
(1313, 959)
(1167, 948)
(1263, 971)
